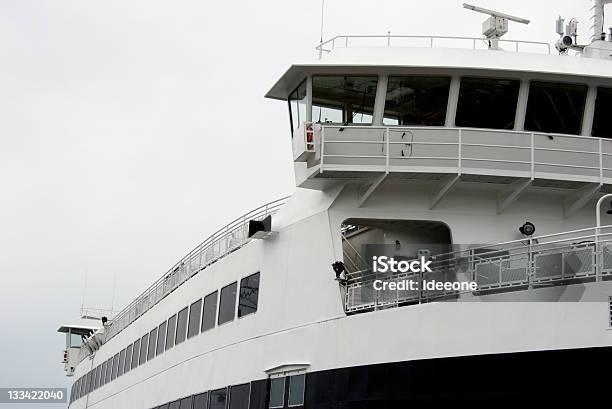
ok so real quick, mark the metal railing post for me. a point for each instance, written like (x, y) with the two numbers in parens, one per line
(600, 163)
(388, 133)
(459, 152)
(532, 149)
(322, 149)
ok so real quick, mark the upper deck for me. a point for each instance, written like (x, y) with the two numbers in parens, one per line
(425, 107)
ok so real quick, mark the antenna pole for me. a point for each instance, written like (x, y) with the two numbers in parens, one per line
(322, 11)
(113, 298)
(321, 40)
(84, 290)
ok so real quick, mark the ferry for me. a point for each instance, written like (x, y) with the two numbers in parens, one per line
(487, 157)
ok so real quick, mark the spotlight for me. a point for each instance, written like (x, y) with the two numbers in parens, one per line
(527, 229)
(339, 268)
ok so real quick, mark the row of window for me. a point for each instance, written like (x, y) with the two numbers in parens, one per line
(188, 322)
(423, 100)
(281, 394)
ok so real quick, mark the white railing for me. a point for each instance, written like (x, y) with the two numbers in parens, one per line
(555, 259)
(463, 150)
(224, 241)
(346, 41)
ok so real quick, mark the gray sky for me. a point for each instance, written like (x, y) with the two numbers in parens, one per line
(130, 130)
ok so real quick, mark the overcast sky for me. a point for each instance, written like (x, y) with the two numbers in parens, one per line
(130, 130)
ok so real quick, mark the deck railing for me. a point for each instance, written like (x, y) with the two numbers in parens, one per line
(555, 259)
(388, 40)
(492, 152)
(224, 241)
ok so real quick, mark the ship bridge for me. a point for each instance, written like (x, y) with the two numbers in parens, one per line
(447, 110)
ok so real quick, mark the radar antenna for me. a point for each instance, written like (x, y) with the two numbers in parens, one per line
(496, 25)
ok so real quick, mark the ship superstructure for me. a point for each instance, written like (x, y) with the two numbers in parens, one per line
(485, 156)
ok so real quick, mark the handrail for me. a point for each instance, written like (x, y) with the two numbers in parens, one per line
(512, 265)
(222, 242)
(331, 43)
(531, 153)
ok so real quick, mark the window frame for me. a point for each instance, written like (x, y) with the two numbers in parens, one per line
(235, 298)
(184, 335)
(215, 310)
(558, 83)
(198, 322)
(517, 103)
(303, 397)
(284, 379)
(229, 394)
(170, 336)
(239, 293)
(160, 338)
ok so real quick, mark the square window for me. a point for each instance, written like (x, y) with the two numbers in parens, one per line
(227, 304)
(296, 390)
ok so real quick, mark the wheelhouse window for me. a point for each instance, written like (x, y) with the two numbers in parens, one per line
(249, 293)
(343, 98)
(128, 358)
(602, 120)
(152, 344)
(200, 401)
(487, 103)
(161, 338)
(218, 398)
(195, 313)
(181, 325)
(135, 353)
(555, 108)
(210, 311)
(227, 304)
(297, 106)
(416, 100)
(277, 392)
(296, 390)
(170, 332)
(144, 343)
(174, 405)
(239, 396)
